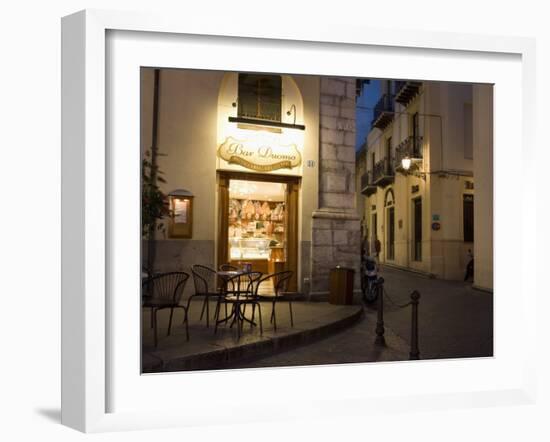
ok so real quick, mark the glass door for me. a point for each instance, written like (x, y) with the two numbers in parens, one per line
(256, 227)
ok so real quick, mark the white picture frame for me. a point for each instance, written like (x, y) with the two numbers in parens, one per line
(87, 217)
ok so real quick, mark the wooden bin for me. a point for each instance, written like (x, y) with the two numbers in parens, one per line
(341, 285)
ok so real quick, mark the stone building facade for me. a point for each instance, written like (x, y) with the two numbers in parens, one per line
(433, 217)
(336, 225)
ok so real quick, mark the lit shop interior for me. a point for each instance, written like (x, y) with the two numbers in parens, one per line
(257, 225)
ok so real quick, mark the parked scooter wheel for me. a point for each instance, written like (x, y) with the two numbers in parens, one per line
(372, 291)
(369, 289)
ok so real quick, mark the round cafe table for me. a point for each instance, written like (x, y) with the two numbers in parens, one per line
(235, 314)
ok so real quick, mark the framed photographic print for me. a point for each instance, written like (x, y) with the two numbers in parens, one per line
(292, 211)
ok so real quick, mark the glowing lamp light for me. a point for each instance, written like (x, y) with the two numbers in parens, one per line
(406, 163)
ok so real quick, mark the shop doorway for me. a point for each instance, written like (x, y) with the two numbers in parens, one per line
(417, 229)
(391, 234)
(389, 202)
(258, 222)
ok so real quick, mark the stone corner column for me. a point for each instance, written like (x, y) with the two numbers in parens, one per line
(336, 227)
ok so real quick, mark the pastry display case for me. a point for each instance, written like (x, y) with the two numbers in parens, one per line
(257, 234)
(249, 248)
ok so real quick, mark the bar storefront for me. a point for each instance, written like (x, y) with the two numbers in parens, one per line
(243, 150)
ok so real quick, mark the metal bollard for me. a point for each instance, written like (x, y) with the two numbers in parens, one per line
(380, 340)
(415, 352)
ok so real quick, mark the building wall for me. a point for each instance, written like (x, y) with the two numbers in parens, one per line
(449, 251)
(448, 148)
(483, 172)
(360, 201)
(187, 130)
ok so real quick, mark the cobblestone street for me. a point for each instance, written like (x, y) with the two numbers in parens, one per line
(455, 321)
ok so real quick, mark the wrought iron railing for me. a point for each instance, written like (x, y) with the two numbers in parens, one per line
(410, 147)
(366, 180)
(383, 168)
(399, 85)
(406, 90)
(367, 184)
(384, 105)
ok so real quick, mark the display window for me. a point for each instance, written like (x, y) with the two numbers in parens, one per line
(257, 225)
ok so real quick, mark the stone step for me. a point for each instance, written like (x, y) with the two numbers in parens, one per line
(206, 351)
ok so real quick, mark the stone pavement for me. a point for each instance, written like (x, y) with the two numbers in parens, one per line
(352, 345)
(455, 320)
(205, 350)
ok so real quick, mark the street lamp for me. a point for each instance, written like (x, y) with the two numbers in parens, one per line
(406, 163)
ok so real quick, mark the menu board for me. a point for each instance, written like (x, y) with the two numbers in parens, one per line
(181, 209)
(181, 223)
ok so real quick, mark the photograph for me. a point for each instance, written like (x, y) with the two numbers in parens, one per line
(275, 222)
(302, 220)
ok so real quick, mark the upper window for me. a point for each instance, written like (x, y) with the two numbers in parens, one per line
(260, 96)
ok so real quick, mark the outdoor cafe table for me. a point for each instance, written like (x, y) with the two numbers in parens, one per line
(225, 276)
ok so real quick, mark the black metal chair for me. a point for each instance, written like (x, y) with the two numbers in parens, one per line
(164, 291)
(228, 268)
(206, 286)
(239, 291)
(280, 282)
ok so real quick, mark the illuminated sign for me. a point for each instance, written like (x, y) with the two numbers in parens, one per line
(262, 154)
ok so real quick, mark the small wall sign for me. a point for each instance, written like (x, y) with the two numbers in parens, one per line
(436, 226)
(435, 217)
(181, 208)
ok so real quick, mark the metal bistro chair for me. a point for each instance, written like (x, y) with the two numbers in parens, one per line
(240, 291)
(164, 291)
(280, 285)
(228, 268)
(206, 286)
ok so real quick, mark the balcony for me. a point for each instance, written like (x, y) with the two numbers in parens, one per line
(367, 186)
(383, 112)
(383, 173)
(410, 147)
(406, 91)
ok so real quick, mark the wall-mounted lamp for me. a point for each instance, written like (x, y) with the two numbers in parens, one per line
(406, 163)
(409, 166)
(292, 108)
